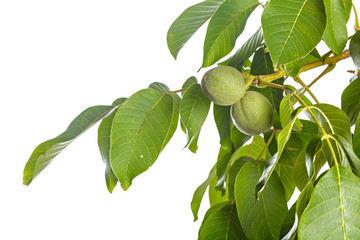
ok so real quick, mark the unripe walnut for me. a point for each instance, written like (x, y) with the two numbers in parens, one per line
(223, 85)
(253, 114)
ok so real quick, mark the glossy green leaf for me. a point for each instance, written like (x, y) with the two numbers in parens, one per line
(104, 132)
(334, 120)
(350, 100)
(194, 109)
(199, 194)
(190, 81)
(262, 65)
(282, 139)
(245, 51)
(333, 210)
(139, 130)
(227, 23)
(292, 29)
(45, 152)
(222, 224)
(335, 35)
(260, 219)
(354, 49)
(213, 209)
(356, 140)
(188, 23)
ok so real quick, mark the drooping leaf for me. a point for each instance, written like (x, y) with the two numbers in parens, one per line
(227, 23)
(233, 172)
(356, 140)
(354, 49)
(335, 35)
(216, 196)
(293, 35)
(288, 230)
(104, 132)
(282, 139)
(188, 23)
(259, 219)
(293, 68)
(253, 149)
(238, 138)
(223, 123)
(286, 109)
(245, 51)
(194, 109)
(139, 130)
(350, 100)
(349, 158)
(333, 210)
(175, 115)
(199, 194)
(262, 65)
(222, 224)
(45, 152)
(334, 120)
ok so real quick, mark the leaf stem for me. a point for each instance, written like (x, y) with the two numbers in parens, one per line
(357, 25)
(177, 91)
(306, 67)
(267, 144)
(307, 88)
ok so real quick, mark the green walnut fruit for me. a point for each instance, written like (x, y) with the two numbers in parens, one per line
(223, 85)
(253, 114)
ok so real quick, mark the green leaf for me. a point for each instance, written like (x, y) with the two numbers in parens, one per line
(227, 23)
(293, 68)
(104, 141)
(190, 81)
(282, 139)
(233, 172)
(350, 100)
(162, 88)
(289, 224)
(139, 130)
(199, 194)
(334, 120)
(216, 196)
(262, 65)
(223, 123)
(260, 219)
(252, 150)
(188, 23)
(335, 35)
(292, 29)
(354, 49)
(245, 51)
(222, 224)
(45, 152)
(333, 210)
(356, 140)
(238, 138)
(349, 158)
(286, 109)
(194, 108)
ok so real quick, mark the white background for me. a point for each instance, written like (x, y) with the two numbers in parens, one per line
(58, 58)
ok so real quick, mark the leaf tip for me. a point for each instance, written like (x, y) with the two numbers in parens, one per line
(125, 185)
